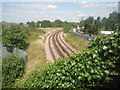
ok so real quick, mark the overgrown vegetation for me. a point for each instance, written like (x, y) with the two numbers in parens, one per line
(92, 25)
(35, 30)
(14, 36)
(12, 69)
(76, 42)
(34, 34)
(36, 55)
(67, 28)
(93, 67)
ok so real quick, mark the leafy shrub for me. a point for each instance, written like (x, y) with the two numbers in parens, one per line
(15, 36)
(12, 68)
(93, 67)
(35, 30)
(67, 28)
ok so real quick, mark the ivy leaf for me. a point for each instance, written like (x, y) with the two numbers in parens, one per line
(105, 47)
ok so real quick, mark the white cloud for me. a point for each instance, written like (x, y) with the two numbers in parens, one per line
(24, 16)
(51, 6)
(22, 12)
(41, 11)
(59, 0)
(82, 15)
(33, 5)
(97, 4)
(35, 0)
(102, 13)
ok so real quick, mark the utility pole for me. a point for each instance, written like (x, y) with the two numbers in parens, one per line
(81, 23)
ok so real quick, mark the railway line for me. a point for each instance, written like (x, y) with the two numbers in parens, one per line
(56, 47)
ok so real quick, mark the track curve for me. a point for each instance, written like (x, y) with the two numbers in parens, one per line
(56, 47)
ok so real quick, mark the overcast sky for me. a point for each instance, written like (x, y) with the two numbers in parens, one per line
(63, 10)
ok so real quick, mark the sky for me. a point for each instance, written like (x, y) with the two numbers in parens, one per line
(24, 11)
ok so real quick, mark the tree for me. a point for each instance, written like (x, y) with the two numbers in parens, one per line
(98, 18)
(104, 23)
(112, 19)
(88, 25)
(31, 24)
(110, 22)
(98, 22)
(28, 23)
(67, 28)
(58, 23)
(45, 23)
(38, 24)
(21, 23)
(93, 28)
(65, 22)
(15, 36)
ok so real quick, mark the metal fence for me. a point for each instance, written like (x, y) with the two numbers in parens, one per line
(83, 36)
(4, 52)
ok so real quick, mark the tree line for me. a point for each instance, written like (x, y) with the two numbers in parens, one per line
(55, 24)
(92, 25)
(47, 24)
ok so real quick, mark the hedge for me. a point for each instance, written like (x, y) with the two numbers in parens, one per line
(12, 68)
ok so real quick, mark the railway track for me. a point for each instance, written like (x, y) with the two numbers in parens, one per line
(56, 47)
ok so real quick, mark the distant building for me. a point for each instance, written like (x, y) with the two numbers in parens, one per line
(78, 27)
(26, 25)
(107, 32)
(74, 30)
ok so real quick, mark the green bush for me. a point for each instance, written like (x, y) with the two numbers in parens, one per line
(67, 28)
(95, 66)
(12, 68)
(15, 36)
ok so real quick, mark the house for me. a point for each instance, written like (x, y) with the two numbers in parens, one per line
(74, 30)
(78, 27)
(26, 25)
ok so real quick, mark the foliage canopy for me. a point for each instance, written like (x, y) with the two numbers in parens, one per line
(12, 68)
(15, 36)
